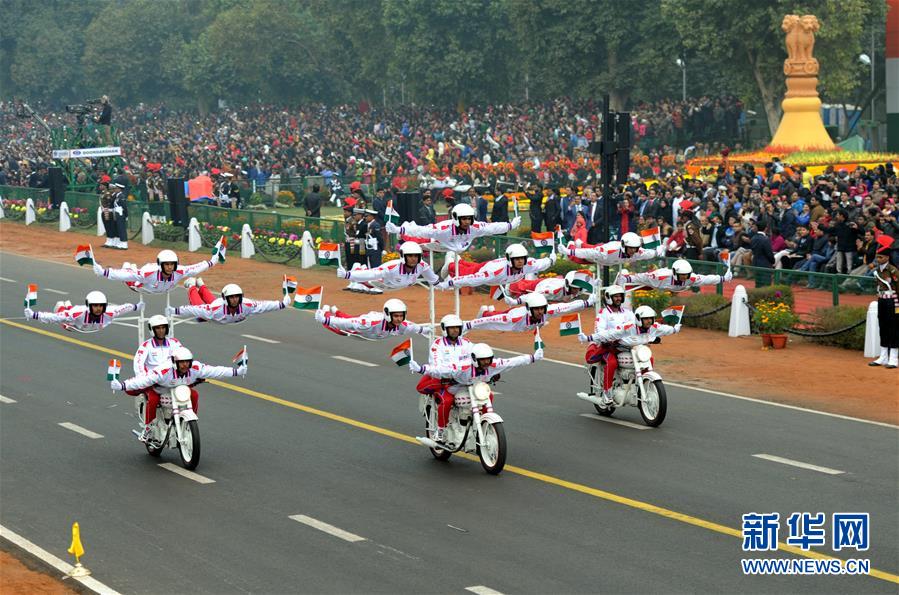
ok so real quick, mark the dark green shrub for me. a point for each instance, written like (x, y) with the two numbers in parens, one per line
(837, 317)
(699, 304)
(771, 293)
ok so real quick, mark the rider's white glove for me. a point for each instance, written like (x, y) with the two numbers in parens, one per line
(538, 355)
(29, 314)
(553, 257)
(729, 275)
(320, 316)
(139, 307)
(591, 300)
(583, 338)
(578, 243)
(391, 227)
(241, 370)
(444, 285)
(116, 385)
(341, 273)
(516, 221)
(286, 299)
(511, 301)
(415, 368)
(677, 327)
(170, 311)
(563, 249)
(98, 270)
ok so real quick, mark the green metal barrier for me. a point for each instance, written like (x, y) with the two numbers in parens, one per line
(327, 229)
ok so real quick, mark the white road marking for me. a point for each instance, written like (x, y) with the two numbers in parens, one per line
(8, 280)
(185, 473)
(354, 361)
(64, 567)
(617, 422)
(799, 464)
(731, 395)
(47, 289)
(79, 430)
(7, 400)
(326, 528)
(125, 324)
(482, 590)
(263, 339)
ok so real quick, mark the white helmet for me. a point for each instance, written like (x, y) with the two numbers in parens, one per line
(393, 306)
(166, 256)
(516, 251)
(450, 320)
(231, 289)
(682, 267)
(407, 248)
(613, 290)
(535, 300)
(95, 297)
(462, 210)
(644, 312)
(157, 320)
(481, 351)
(180, 354)
(631, 240)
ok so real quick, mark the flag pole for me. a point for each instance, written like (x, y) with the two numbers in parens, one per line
(457, 258)
(432, 307)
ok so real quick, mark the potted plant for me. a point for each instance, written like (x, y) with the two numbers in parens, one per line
(772, 320)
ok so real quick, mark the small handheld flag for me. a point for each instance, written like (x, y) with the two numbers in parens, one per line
(221, 247)
(515, 205)
(289, 285)
(543, 242)
(241, 358)
(115, 370)
(673, 315)
(328, 254)
(76, 549)
(569, 324)
(402, 353)
(31, 296)
(308, 299)
(84, 255)
(652, 238)
(725, 257)
(391, 214)
(538, 342)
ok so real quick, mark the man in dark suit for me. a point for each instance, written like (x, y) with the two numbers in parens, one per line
(313, 202)
(426, 214)
(552, 211)
(535, 195)
(500, 213)
(762, 254)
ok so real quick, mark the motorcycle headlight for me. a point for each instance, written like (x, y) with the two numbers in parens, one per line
(481, 393)
(181, 395)
(643, 354)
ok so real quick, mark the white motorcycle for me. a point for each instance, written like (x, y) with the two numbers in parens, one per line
(635, 384)
(473, 427)
(175, 425)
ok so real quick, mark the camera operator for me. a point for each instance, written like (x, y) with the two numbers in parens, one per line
(104, 118)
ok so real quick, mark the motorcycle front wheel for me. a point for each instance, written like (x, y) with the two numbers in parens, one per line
(493, 452)
(189, 445)
(654, 407)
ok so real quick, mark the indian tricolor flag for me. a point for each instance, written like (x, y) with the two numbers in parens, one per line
(583, 279)
(543, 242)
(31, 296)
(221, 247)
(391, 214)
(725, 257)
(652, 238)
(241, 358)
(328, 254)
(114, 370)
(673, 315)
(308, 299)
(402, 353)
(84, 255)
(569, 324)
(289, 285)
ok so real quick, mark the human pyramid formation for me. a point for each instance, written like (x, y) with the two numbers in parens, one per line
(162, 362)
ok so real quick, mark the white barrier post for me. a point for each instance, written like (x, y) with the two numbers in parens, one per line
(739, 313)
(194, 242)
(2, 214)
(101, 229)
(307, 254)
(146, 229)
(247, 249)
(872, 332)
(29, 212)
(65, 224)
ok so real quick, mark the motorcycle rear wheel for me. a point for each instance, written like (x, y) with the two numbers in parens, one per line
(189, 445)
(493, 454)
(655, 407)
(604, 411)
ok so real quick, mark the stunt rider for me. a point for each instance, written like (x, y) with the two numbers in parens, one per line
(395, 274)
(231, 308)
(391, 322)
(458, 233)
(614, 315)
(679, 277)
(161, 277)
(513, 267)
(627, 250)
(95, 314)
(158, 348)
(535, 313)
(452, 349)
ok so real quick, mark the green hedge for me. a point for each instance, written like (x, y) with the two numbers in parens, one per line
(720, 321)
(771, 293)
(837, 317)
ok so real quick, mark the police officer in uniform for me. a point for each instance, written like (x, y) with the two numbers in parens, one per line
(107, 214)
(887, 277)
(374, 238)
(120, 213)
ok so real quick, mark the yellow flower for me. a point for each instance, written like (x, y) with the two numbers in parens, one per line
(281, 242)
(75, 216)
(271, 240)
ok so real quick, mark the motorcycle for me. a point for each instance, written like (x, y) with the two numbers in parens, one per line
(175, 426)
(636, 384)
(472, 425)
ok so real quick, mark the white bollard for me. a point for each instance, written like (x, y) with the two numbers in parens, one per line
(2, 214)
(307, 255)
(29, 212)
(65, 224)
(739, 314)
(194, 241)
(101, 229)
(146, 229)
(247, 249)
(872, 332)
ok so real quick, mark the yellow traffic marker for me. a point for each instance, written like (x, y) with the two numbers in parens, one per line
(77, 550)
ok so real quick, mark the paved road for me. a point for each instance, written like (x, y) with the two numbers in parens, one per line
(585, 505)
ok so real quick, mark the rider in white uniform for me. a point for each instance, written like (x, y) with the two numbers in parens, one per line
(94, 315)
(231, 308)
(514, 267)
(395, 274)
(457, 234)
(627, 250)
(161, 277)
(680, 277)
(391, 322)
(158, 348)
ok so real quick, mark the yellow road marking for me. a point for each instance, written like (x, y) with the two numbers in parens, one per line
(542, 477)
